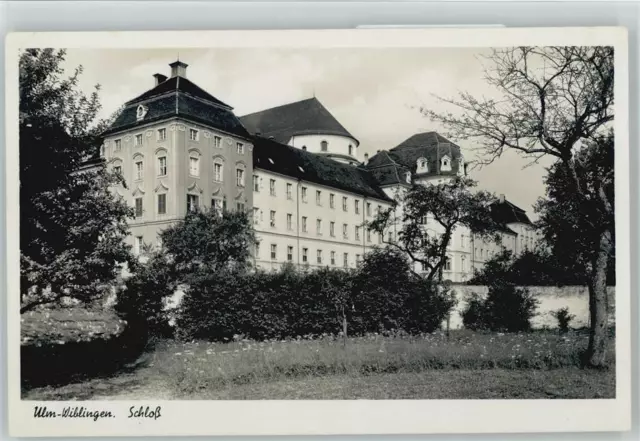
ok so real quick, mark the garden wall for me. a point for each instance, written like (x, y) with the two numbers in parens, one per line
(551, 298)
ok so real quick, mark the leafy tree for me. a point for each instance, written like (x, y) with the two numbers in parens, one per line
(506, 308)
(449, 205)
(209, 241)
(551, 101)
(72, 229)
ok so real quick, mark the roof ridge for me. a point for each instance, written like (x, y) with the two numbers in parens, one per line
(279, 106)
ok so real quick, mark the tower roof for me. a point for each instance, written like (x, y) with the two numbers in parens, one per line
(306, 117)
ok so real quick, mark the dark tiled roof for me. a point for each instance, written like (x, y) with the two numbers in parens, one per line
(299, 164)
(507, 213)
(178, 103)
(306, 117)
(177, 83)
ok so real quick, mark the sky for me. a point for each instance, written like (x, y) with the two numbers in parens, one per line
(375, 94)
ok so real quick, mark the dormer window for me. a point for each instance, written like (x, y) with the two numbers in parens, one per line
(445, 163)
(407, 176)
(141, 111)
(422, 165)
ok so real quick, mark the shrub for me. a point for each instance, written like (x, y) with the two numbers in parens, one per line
(564, 318)
(506, 308)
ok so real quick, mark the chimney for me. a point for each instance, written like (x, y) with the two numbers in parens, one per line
(178, 69)
(502, 199)
(159, 78)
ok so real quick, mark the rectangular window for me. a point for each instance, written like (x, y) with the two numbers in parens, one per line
(162, 166)
(345, 260)
(274, 251)
(137, 245)
(289, 191)
(447, 264)
(304, 194)
(217, 204)
(194, 166)
(138, 207)
(368, 235)
(319, 227)
(289, 221)
(162, 204)
(162, 134)
(272, 187)
(378, 209)
(332, 200)
(463, 263)
(192, 202)
(379, 237)
(357, 233)
(344, 203)
(272, 218)
(138, 140)
(357, 206)
(333, 257)
(240, 177)
(290, 254)
(332, 229)
(117, 169)
(256, 183)
(390, 237)
(304, 224)
(357, 259)
(193, 134)
(256, 215)
(345, 231)
(139, 170)
(318, 197)
(368, 208)
(217, 142)
(257, 250)
(217, 172)
(305, 255)
(118, 144)
(319, 257)
(239, 206)
(240, 148)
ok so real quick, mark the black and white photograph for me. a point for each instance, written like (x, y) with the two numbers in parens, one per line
(365, 223)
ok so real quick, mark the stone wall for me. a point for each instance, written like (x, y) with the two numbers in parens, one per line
(551, 298)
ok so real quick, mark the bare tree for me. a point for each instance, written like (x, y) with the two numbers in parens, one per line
(552, 100)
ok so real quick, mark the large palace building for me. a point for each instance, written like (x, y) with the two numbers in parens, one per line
(295, 167)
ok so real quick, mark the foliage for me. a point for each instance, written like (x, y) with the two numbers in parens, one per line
(290, 303)
(72, 229)
(551, 102)
(564, 318)
(209, 241)
(448, 205)
(540, 267)
(572, 227)
(142, 299)
(506, 308)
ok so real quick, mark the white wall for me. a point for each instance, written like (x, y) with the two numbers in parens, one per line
(551, 298)
(282, 236)
(336, 145)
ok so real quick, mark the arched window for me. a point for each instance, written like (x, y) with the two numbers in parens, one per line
(350, 150)
(422, 165)
(218, 169)
(304, 147)
(324, 146)
(445, 163)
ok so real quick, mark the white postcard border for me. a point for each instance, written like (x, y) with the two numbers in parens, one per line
(331, 417)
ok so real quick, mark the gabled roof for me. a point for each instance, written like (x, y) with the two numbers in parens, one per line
(306, 117)
(507, 213)
(177, 100)
(181, 84)
(279, 158)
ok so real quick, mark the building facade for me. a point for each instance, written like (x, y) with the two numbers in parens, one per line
(294, 167)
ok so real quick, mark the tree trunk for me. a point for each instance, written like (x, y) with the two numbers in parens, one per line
(598, 304)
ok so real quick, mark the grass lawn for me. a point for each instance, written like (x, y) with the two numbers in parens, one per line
(465, 365)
